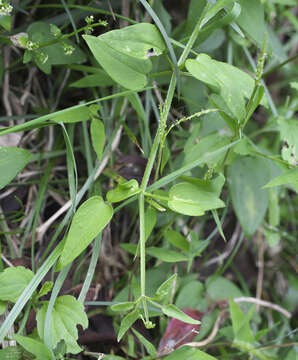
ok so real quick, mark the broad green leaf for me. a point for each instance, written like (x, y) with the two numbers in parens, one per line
(136, 40)
(165, 287)
(289, 134)
(13, 281)
(34, 347)
(97, 131)
(289, 177)
(251, 20)
(193, 198)
(188, 353)
(123, 191)
(190, 296)
(100, 78)
(5, 22)
(174, 312)
(147, 344)
(210, 186)
(62, 52)
(232, 84)
(73, 115)
(221, 288)
(206, 145)
(127, 322)
(89, 220)
(246, 178)
(177, 240)
(240, 322)
(125, 306)
(165, 254)
(66, 315)
(12, 353)
(12, 161)
(124, 54)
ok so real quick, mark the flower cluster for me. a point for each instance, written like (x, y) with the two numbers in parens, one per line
(5, 8)
(68, 49)
(89, 20)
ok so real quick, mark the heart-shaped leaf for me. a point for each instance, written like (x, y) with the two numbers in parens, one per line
(66, 315)
(13, 281)
(90, 218)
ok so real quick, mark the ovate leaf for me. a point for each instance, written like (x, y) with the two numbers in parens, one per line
(165, 287)
(124, 54)
(6, 21)
(89, 220)
(66, 315)
(247, 176)
(34, 347)
(233, 84)
(12, 161)
(97, 136)
(13, 281)
(193, 198)
(256, 28)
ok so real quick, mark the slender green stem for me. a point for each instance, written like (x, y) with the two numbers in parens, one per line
(156, 145)
(143, 254)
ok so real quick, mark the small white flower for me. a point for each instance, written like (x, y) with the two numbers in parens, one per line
(68, 49)
(5, 9)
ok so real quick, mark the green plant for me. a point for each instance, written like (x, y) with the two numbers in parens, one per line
(221, 158)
